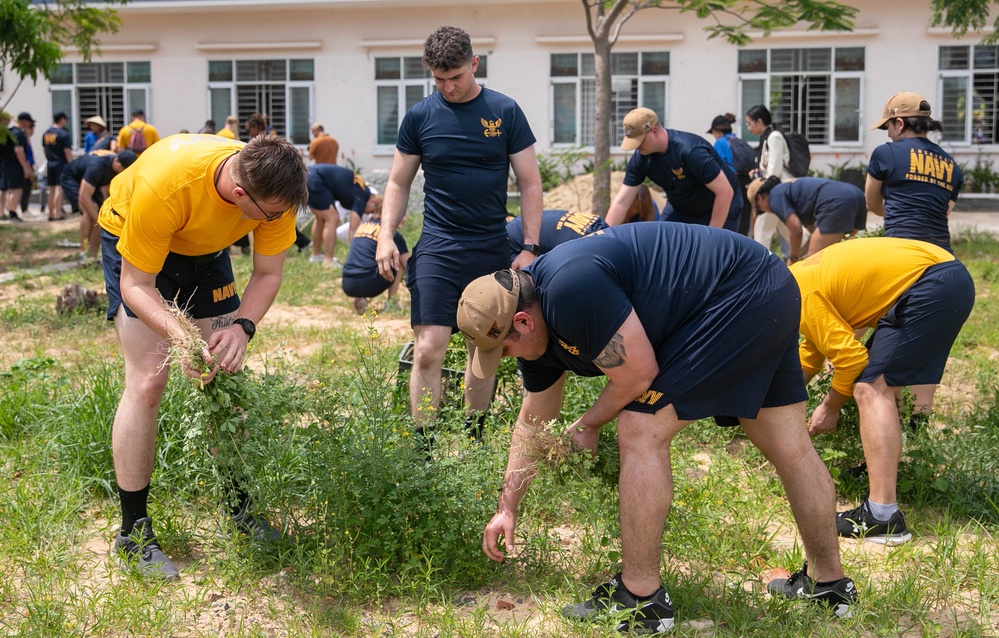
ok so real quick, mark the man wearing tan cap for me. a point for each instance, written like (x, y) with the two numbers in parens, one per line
(323, 149)
(701, 188)
(666, 336)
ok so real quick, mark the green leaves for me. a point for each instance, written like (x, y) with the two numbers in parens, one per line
(32, 36)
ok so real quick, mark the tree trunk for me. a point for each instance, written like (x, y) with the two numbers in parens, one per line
(601, 126)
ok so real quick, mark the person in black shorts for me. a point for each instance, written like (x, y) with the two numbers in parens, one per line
(466, 138)
(84, 183)
(58, 153)
(666, 332)
(361, 279)
(328, 184)
(917, 296)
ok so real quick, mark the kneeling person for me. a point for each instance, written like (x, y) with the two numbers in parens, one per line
(661, 333)
(361, 279)
(917, 296)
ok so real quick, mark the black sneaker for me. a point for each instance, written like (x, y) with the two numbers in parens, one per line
(140, 551)
(839, 596)
(254, 526)
(860, 523)
(611, 601)
(14, 217)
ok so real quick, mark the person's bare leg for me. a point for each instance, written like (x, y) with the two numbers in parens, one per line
(820, 240)
(782, 435)
(133, 435)
(429, 347)
(331, 219)
(317, 232)
(881, 437)
(646, 492)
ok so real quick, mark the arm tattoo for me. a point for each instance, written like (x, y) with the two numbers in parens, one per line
(223, 321)
(613, 354)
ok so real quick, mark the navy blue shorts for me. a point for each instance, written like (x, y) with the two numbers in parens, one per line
(53, 171)
(370, 285)
(71, 193)
(842, 215)
(911, 343)
(320, 197)
(203, 286)
(11, 175)
(439, 269)
(714, 366)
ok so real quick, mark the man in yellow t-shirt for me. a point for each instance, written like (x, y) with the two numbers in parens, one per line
(138, 126)
(917, 296)
(165, 230)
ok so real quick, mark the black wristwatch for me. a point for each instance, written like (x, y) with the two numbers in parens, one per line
(534, 249)
(248, 327)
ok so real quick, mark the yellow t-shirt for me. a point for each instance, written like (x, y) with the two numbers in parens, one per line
(148, 131)
(226, 133)
(849, 286)
(166, 202)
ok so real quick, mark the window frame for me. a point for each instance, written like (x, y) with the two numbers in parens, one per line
(58, 90)
(641, 80)
(830, 144)
(968, 74)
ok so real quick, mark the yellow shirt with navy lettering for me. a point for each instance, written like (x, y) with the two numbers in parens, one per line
(166, 202)
(848, 287)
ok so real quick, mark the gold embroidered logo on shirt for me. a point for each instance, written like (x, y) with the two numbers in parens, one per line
(678, 173)
(492, 127)
(569, 348)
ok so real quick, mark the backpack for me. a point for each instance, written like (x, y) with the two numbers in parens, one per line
(799, 154)
(137, 141)
(743, 156)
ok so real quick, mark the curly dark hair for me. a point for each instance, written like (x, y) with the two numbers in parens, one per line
(446, 49)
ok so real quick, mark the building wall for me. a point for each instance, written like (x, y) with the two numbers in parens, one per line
(343, 37)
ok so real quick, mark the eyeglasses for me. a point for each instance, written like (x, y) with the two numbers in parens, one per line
(270, 217)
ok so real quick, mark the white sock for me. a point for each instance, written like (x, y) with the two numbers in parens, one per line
(880, 511)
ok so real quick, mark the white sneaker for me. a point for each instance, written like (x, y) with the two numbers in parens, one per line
(316, 259)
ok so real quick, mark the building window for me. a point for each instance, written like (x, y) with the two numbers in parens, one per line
(112, 90)
(969, 90)
(280, 89)
(401, 82)
(815, 92)
(637, 79)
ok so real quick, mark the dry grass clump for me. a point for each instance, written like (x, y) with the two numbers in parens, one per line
(185, 349)
(548, 444)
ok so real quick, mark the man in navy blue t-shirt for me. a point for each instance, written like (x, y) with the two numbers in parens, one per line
(466, 138)
(666, 331)
(701, 188)
(329, 183)
(58, 153)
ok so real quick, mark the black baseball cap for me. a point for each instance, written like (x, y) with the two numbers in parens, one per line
(24, 115)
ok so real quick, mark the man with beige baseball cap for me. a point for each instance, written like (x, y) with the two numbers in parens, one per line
(701, 188)
(666, 332)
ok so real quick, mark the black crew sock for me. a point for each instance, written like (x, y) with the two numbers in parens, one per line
(919, 421)
(632, 594)
(239, 500)
(827, 583)
(133, 507)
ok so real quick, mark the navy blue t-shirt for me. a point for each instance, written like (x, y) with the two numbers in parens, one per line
(20, 139)
(96, 170)
(683, 171)
(465, 151)
(806, 196)
(920, 180)
(557, 227)
(55, 141)
(342, 184)
(361, 257)
(668, 273)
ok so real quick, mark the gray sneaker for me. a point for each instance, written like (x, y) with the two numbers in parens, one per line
(140, 551)
(255, 526)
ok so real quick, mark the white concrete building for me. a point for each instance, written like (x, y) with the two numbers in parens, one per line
(355, 66)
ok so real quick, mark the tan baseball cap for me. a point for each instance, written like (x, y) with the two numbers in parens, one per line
(485, 315)
(902, 104)
(752, 190)
(637, 123)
